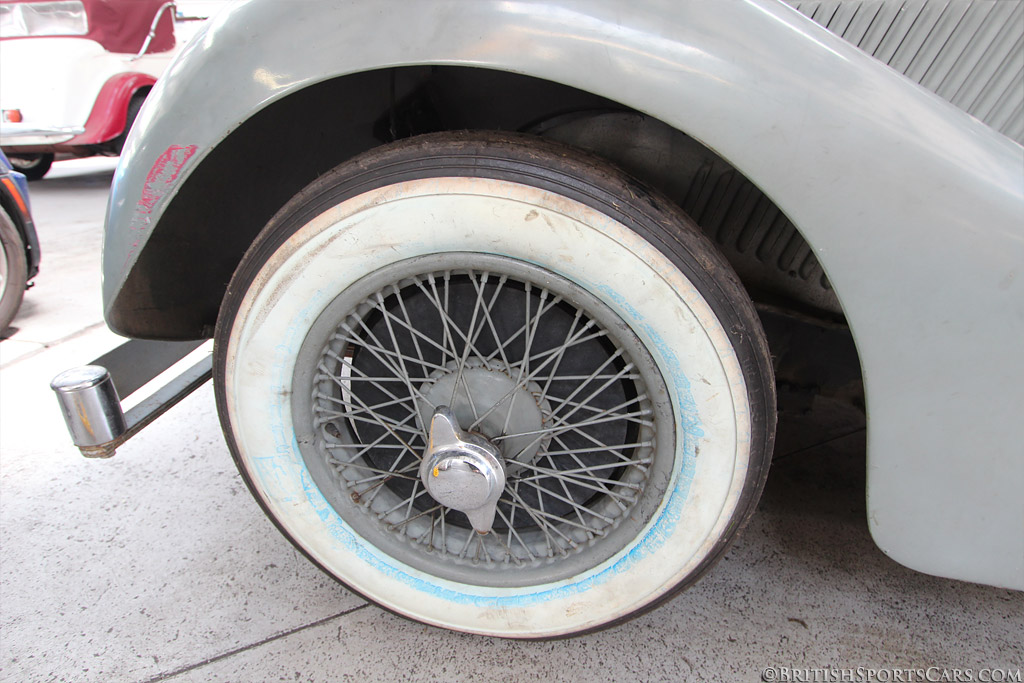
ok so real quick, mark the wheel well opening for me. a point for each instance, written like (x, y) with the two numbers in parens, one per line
(176, 288)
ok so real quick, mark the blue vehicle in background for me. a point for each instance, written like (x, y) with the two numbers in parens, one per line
(19, 245)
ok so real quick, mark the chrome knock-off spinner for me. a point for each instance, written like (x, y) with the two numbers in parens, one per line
(462, 470)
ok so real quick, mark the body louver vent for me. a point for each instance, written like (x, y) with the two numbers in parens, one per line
(969, 52)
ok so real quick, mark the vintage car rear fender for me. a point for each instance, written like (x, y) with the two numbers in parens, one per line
(913, 208)
(110, 111)
(14, 200)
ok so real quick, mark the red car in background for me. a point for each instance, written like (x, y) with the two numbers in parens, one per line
(74, 74)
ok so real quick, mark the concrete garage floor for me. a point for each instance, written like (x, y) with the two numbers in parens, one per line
(157, 565)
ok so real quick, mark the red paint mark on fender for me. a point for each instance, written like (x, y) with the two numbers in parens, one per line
(162, 175)
(159, 181)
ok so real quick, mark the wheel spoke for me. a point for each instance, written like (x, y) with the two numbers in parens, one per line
(350, 411)
(377, 349)
(561, 482)
(563, 427)
(329, 416)
(450, 324)
(561, 354)
(599, 389)
(430, 511)
(521, 384)
(592, 483)
(523, 329)
(401, 358)
(606, 411)
(406, 503)
(375, 444)
(544, 516)
(567, 500)
(407, 324)
(487, 315)
(577, 341)
(574, 476)
(561, 422)
(541, 519)
(512, 533)
(378, 471)
(616, 451)
(390, 428)
(605, 449)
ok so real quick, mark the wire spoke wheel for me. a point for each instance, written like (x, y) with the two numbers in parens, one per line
(523, 358)
(493, 384)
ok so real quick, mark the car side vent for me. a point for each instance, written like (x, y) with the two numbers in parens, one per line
(969, 52)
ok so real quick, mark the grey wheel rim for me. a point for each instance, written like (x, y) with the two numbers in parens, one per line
(541, 367)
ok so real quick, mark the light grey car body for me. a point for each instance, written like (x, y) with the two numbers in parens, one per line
(913, 208)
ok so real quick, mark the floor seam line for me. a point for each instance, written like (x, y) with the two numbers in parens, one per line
(245, 648)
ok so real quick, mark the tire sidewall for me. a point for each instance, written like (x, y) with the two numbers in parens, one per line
(13, 288)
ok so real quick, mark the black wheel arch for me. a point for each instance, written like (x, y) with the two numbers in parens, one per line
(26, 230)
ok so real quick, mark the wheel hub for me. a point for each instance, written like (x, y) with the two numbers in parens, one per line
(487, 400)
(462, 471)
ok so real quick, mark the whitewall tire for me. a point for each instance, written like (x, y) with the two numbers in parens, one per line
(568, 316)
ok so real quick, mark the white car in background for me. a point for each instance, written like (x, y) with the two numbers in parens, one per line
(74, 73)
